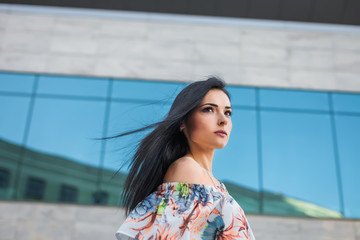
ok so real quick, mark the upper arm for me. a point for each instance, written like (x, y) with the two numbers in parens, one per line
(184, 170)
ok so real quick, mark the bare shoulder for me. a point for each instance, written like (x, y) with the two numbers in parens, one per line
(185, 170)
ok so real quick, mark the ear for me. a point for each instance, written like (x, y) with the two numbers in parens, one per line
(182, 126)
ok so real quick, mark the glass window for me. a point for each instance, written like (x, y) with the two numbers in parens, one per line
(346, 102)
(299, 171)
(242, 96)
(35, 188)
(76, 86)
(146, 90)
(61, 144)
(236, 165)
(14, 82)
(56, 170)
(68, 194)
(113, 184)
(13, 116)
(100, 197)
(4, 178)
(126, 116)
(295, 99)
(65, 128)
(62, 161)
(348, 133)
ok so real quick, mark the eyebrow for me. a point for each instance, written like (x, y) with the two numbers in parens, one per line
(213, 104)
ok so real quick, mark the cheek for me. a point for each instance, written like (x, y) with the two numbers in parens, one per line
(198, 125)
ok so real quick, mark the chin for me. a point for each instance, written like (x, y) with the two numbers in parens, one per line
(220, 145)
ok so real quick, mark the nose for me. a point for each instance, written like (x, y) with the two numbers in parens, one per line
(222, 120)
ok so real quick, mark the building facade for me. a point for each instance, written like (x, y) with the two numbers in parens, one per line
(69, 76)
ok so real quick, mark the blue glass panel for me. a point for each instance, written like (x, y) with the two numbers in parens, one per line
(60, 148)
(346, 102)
(76, 86)
(348, 133)
(13, 113)
(13, 116)
(299, 165)
(295, 99)
(64, 128)
(242, 96)
(236, 165)
(126, 116)
(11, 82)
(146, 90)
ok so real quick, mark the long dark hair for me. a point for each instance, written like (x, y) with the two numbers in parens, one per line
(165, 144)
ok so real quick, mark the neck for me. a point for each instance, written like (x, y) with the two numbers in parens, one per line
(202, 156)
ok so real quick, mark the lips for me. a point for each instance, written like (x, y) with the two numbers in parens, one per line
(221, 133)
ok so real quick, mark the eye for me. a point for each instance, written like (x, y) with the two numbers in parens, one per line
(208, 109)
(228, 113)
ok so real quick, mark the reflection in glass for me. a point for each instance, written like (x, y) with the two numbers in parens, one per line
(13, 116)
(65, 127)
(76, 86)
(236, 165)
(348, 133)
(35, 188)
(346, 102)
(4, 178)
(100, 197)
(242, 96)
(146, 90)
(60, 147)
(295, 147)
(126, 116)
(15, 82)
(68, 194)
(294, 99)
(57, 171)
(299, 165)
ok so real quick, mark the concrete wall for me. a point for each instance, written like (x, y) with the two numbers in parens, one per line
(39, 221)
(175, 47)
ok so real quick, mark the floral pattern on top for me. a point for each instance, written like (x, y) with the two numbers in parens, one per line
(193, 211)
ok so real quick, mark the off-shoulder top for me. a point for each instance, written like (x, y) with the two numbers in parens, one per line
(179, 210)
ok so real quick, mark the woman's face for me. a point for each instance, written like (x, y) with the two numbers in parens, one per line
(211, 115)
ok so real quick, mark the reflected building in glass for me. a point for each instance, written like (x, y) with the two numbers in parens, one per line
(291, 152)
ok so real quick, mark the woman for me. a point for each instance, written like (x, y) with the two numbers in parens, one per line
(170, 191)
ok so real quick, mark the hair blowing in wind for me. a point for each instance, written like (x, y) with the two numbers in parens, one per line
(163, 145)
